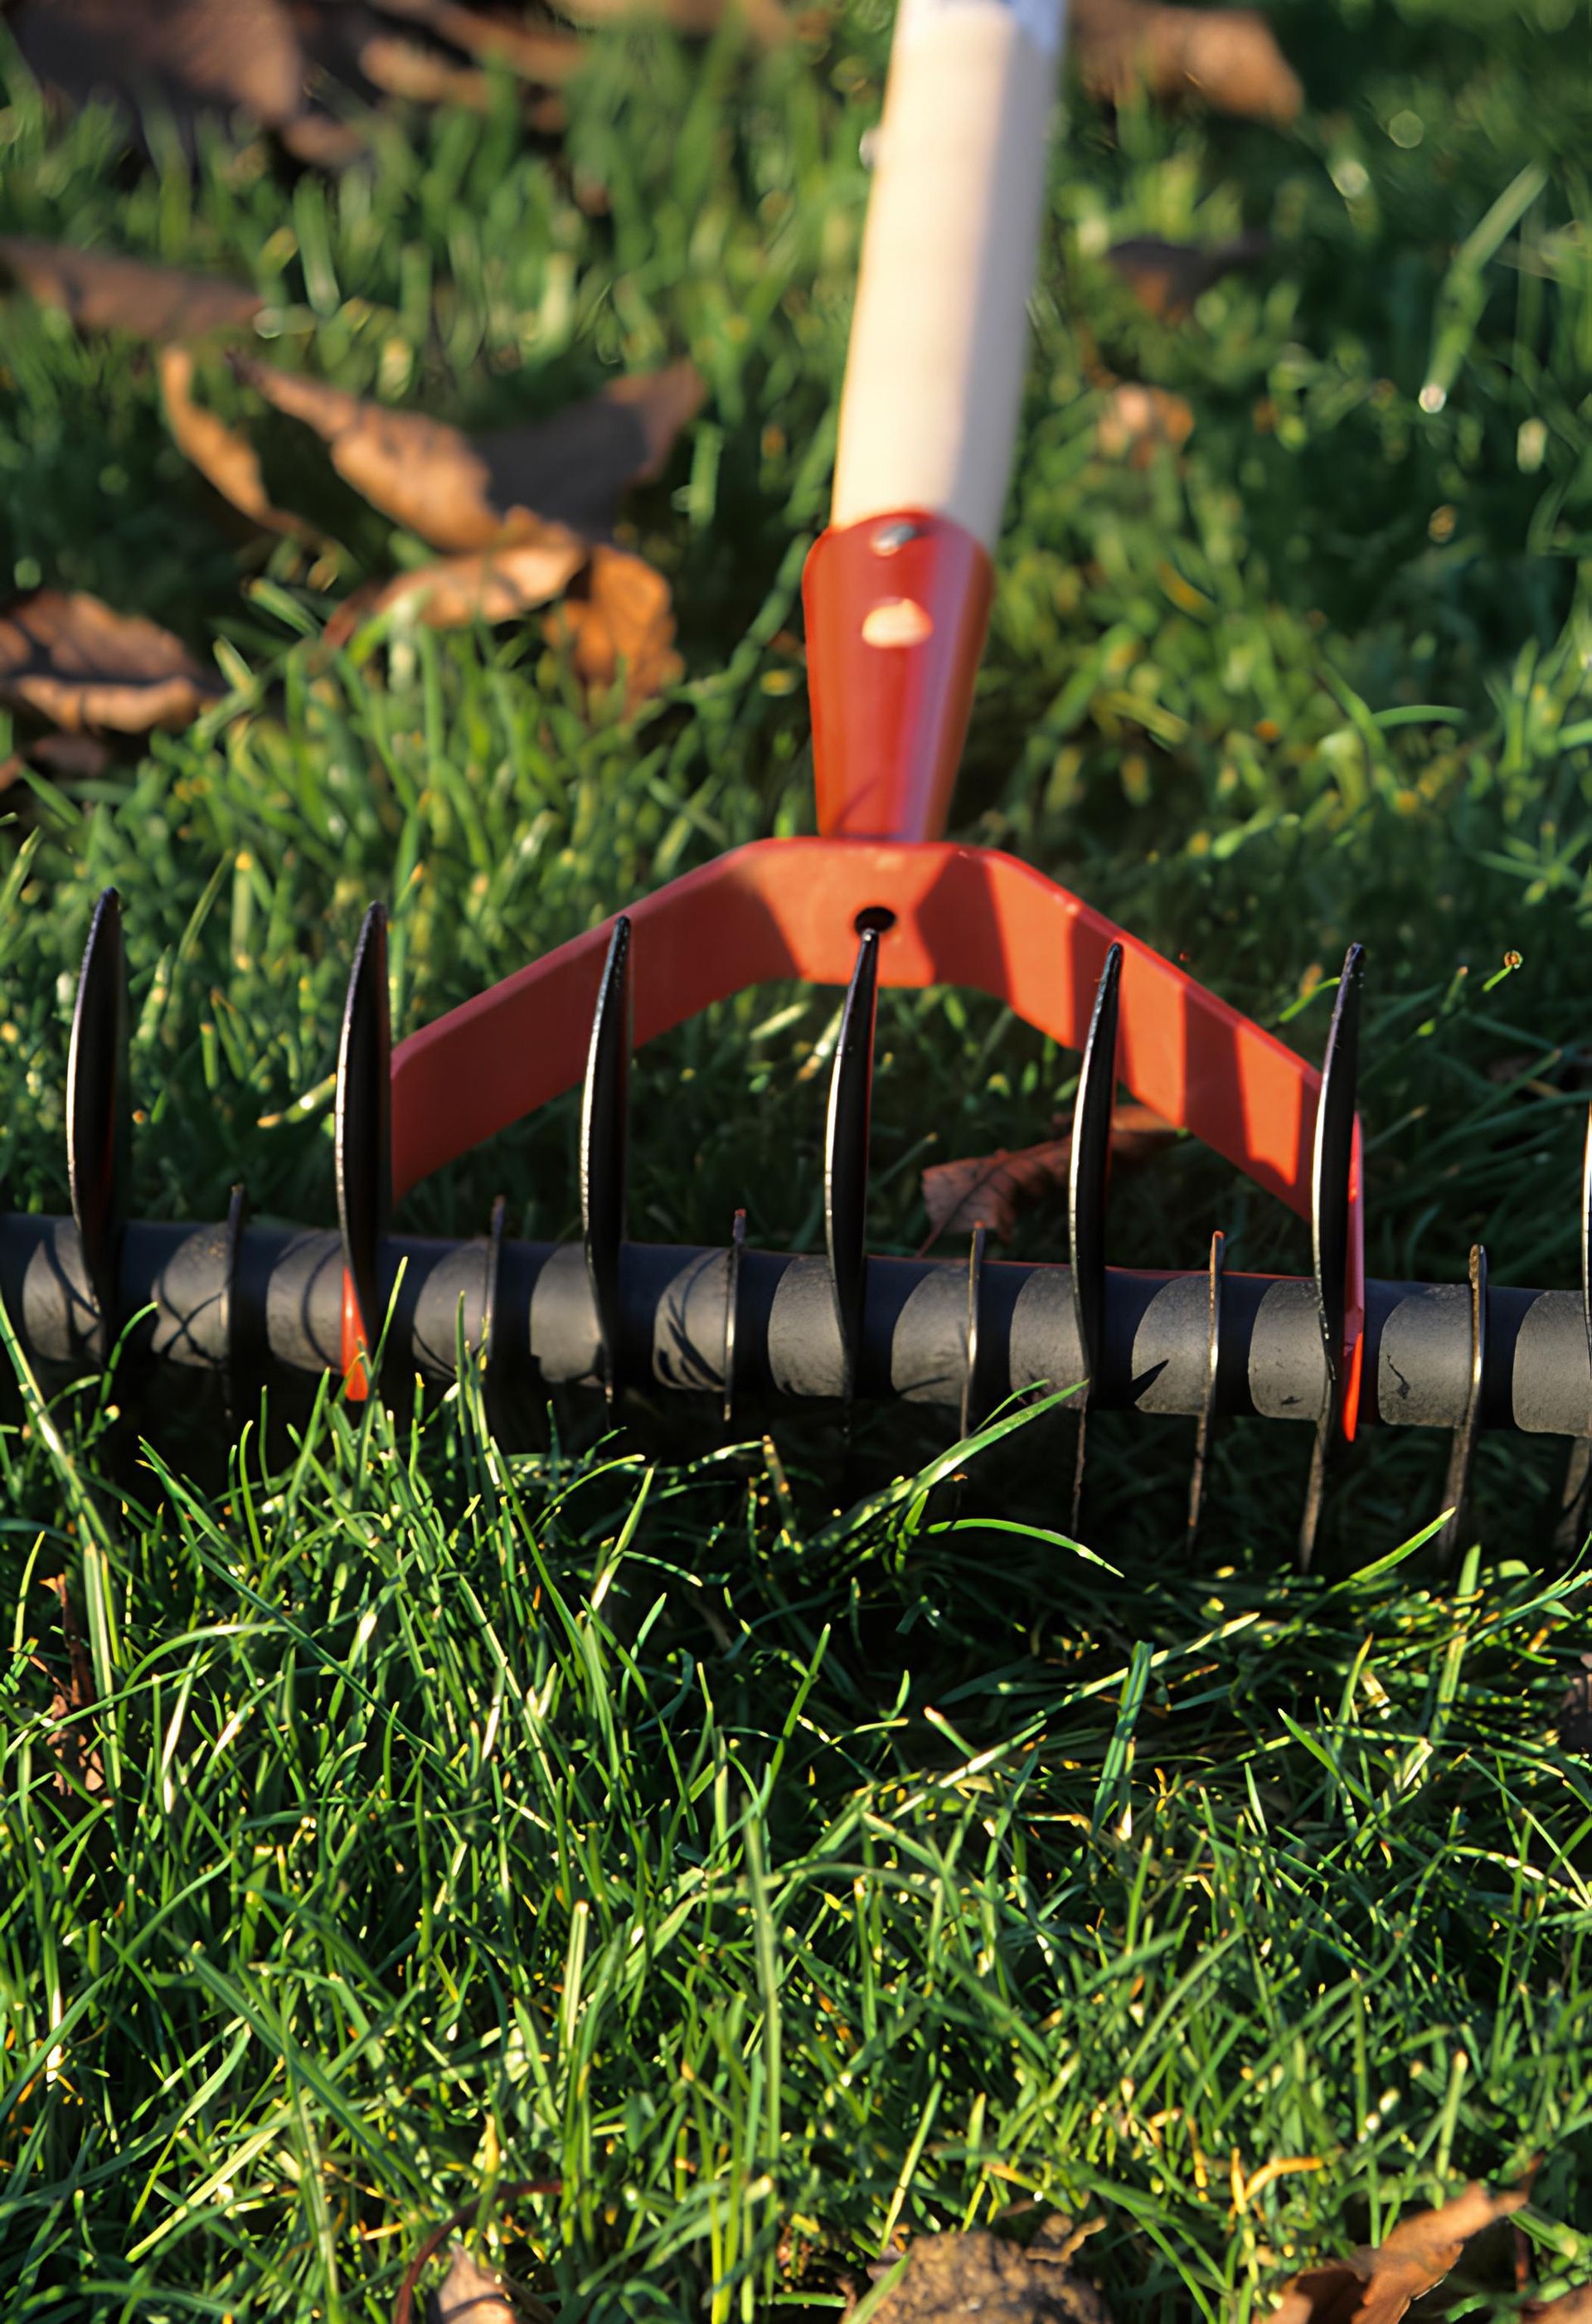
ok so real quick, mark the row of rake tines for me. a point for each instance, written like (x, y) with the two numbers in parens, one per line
(98, 1131)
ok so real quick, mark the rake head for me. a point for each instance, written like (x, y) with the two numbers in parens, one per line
(734, 1327)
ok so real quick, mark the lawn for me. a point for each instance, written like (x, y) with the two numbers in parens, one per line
(772, 1854)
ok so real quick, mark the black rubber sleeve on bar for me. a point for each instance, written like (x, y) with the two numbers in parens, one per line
(275, 1292)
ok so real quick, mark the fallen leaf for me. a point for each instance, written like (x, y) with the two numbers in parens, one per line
(401, 68)
(993, 1190)
(468, 2295)
(78, 1761)
(76, 662)
(225, 459)
(192, 57)
(1167, 277)
(618, 617)
(952, 2276)
(461, 493)
(767, 20)
(483, 2289)
(495, 584)
(103, 292)
(1569, 2308)
(1137, 420)
(539, 52)
(1226, 57)
(1377, 2287)
(70, 758)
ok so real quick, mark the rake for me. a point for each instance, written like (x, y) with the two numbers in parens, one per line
(897, 594)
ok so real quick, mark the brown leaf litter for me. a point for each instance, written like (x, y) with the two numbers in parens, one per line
(80, 1766)
(1137, 421)
(617, 620)
(227, 459)
(495, 585)
(72, 661)
(978, 2275)
(1224, 58)
(1166, 277)
(470, 2295)
(104, 291)
(1378, 2286)
(993, 1190)
(461, 493)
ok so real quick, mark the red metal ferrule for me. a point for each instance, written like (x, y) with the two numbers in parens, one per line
(896, 608)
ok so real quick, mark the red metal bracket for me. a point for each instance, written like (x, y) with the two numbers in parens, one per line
(790, 907)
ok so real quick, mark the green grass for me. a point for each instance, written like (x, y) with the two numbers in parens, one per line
(781, 1875)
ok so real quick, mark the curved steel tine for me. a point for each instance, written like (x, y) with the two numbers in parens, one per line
(733, 1310)
(972, 1400)
(605, 1167)
(1086, 1190)
(1574, 1518)
(1462, 1453)
(364, 1110)
(99, 1113)
(1205, 1429)
(1330, 1188)
(237, 1219)
(490, 1292)
(845, 1152)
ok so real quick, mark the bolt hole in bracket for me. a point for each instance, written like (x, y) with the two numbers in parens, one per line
(940, 913)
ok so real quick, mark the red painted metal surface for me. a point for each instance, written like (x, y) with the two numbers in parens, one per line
(781, 908)
(896, 607)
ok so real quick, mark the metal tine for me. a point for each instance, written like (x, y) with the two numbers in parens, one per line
(604, 1145)
(1205, 1428)
(733, 1310)
(497, 1228)
(845, 1152)
(1462, 1454)
(1575, 1505)
(972, 1397)
(99, 1108)
(237, 1219)
(1334, 1153)
(364, 1110)
(1086, 1190)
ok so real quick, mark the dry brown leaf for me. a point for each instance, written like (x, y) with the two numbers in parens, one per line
(619, 615)
(70, 758)
(1226, 57)
(468, 2295)
(77, 663)
(539, 52)
(77, 1754)
(1167, 277)
(103, 292)
(496, 584)
(954, 2276)
(222, 457)
(460, 493)
(1137, 420)
(401, 68)
(993, 1190)
(767, 20)
(192, 56)
(1377, 2287)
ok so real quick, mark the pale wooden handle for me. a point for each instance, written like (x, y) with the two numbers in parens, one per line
(939, 336)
